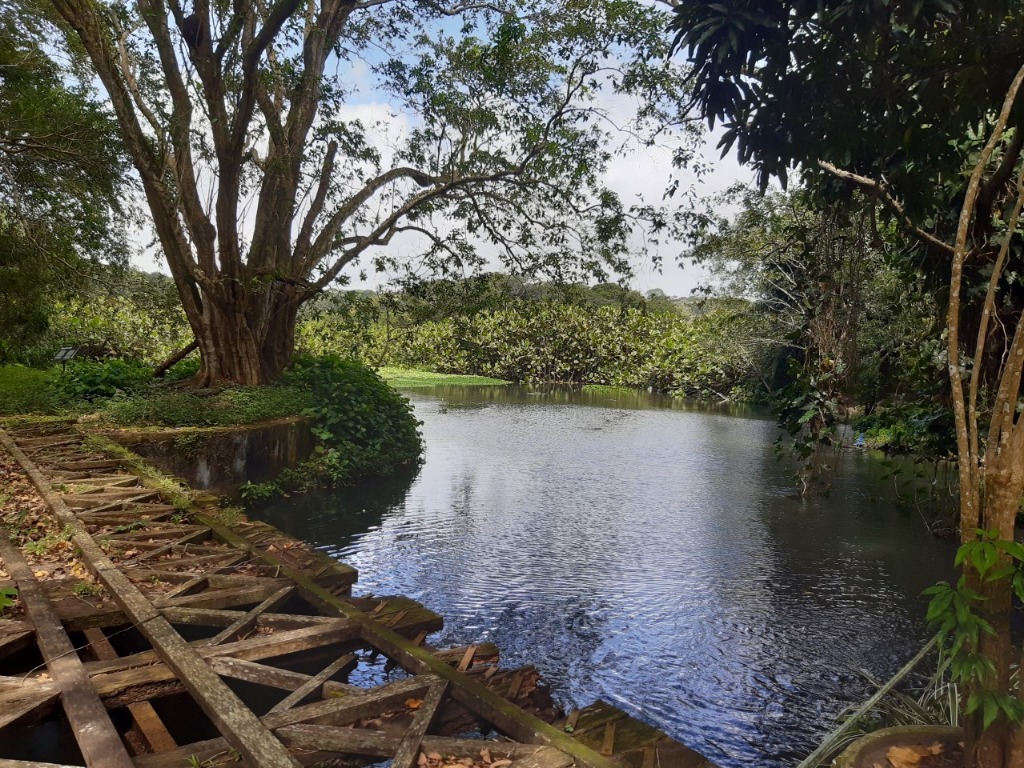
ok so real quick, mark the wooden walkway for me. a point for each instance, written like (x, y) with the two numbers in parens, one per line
(258, 643)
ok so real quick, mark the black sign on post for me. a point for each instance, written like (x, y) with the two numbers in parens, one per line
(65, 354)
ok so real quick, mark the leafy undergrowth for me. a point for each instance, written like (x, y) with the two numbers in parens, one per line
(362, 425)
(410, 378)
(25, 390)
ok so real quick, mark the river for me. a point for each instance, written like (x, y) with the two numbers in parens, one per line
(646, 551)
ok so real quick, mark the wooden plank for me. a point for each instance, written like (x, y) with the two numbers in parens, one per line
(338, 711)
(261, 590)
(359, 741)
(261, 674)
(198, 535)
(467, 659)
(409, 749)
(247, 622)
(26, 701)
(190, 587)
(314, 682)
(222, 618)
(608, 745)
(15, 636)
(97, 739)
(230, 716)
(5, 763)
(147, 722)
(116, 681)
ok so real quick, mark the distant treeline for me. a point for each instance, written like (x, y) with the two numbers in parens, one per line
(493, 325)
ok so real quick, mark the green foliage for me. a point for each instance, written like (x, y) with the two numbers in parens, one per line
(954, 612)
(183, 369)
(907, 428)
(25, 390)
(8, 598)
(61, 203)
(364, 426)
(124, 314)
(780, 78)
(254, 494)
(703, 356)
(90, 380)
(206, 408)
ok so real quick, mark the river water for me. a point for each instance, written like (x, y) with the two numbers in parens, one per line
(648, 552)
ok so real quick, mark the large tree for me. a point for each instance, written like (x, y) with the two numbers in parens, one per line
(264, 183)
(62, 174)
(916, 104)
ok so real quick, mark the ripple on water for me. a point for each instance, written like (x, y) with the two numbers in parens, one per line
(650, 556)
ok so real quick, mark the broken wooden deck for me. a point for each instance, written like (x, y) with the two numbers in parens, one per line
(215, 643)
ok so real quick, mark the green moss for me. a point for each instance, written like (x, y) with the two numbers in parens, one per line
(409, 378)
(173, 492)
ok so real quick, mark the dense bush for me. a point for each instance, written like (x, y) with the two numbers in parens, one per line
(91, 379)
(25, 390)
(364, 426)
(926, 430)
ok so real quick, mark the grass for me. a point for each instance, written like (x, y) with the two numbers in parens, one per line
(607, 389)
(409, 378)
(199, 408)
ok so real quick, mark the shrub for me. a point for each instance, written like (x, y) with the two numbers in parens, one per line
(89, 379)
(183, 369)
(363, 425)
(25, 390)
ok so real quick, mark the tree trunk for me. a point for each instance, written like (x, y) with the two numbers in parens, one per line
(993, 747)
(246, 338)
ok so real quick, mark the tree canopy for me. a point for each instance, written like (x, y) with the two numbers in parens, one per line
(917, 104)
(62, 174)
(251, 128)
(875, 87)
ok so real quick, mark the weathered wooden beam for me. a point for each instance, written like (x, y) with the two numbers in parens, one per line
(338, 711)
(360, 741)
(147, 722)
(97, 739)
(260, 674)
(15, 635)
(247, 622)
(222, 618)
(409, 749)
(314, 682)
(24, 701)
(257, 591)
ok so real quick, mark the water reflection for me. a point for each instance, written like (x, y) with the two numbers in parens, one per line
(647, 551)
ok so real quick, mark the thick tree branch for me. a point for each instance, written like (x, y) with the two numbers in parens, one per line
(880, 190)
